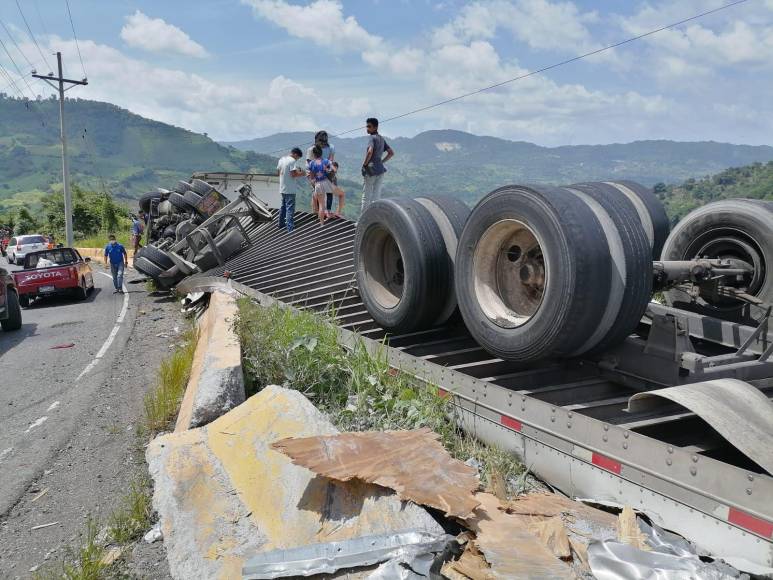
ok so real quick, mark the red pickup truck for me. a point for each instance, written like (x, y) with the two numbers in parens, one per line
(51, 272)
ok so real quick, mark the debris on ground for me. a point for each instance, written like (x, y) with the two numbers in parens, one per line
(413, 463)
(154, 534)
(412, 549)
(509, 547)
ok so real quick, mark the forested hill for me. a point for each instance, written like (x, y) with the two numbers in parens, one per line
(751, 181)
(458, 163)
(107, 144)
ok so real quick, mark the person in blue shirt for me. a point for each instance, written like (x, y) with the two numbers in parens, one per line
(116, 253)
(138, 227)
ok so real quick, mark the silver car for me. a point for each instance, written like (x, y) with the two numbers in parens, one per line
(20, 246)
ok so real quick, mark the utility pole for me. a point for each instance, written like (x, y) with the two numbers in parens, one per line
(65, 164)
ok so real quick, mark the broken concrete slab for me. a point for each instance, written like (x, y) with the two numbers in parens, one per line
(508, 545)
(413, 463)
(216, 384)
(223, 495)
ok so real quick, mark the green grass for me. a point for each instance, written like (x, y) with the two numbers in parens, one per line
(163, 402)
(101, 241)
(132, 518)
(359, 391)
(82, 563)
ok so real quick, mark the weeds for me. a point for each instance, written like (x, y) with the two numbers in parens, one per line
(132, 518)
(84, 563)
(358, 390)
(150, 286)
(163, 402)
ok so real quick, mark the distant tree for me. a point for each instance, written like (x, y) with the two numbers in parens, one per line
(660, 187)
(25, 223)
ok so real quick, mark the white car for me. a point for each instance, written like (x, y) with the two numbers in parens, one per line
(20, 246)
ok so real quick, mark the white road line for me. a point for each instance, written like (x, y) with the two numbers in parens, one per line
(37, 423)
(113, 333)
(5, 453)
(53, 406)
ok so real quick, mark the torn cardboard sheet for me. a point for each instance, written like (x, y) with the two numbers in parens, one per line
(413, 463)
(508, 545)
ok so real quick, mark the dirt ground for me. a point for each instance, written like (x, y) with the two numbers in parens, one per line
(93, 470)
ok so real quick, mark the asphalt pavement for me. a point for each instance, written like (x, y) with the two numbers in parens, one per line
(50, 370)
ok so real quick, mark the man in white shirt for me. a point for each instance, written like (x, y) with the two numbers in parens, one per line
(289, 171)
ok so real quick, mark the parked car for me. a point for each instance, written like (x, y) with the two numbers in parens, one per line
(10, 309)
(20, 246)
(52, 272)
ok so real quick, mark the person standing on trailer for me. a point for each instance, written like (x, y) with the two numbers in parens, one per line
(319, 170)
(116, 254)
(289, 171)
(373, 167)
(322, 140)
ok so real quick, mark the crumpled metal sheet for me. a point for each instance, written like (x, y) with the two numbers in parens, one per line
(667, 557)
(617, 561)
(725, 404)
(413, 463)
(399, 548)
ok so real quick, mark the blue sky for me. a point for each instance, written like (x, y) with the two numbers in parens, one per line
(237, 69)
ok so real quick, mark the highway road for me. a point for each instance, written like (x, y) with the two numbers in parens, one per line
(50, 371)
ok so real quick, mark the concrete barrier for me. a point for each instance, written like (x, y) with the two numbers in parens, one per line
(223, 495)
(216, 384)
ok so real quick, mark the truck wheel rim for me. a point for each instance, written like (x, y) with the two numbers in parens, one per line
(730, 244)
(384, 268)
(509, 273)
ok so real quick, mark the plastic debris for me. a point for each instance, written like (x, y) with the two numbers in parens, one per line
(413, 463)
(404, 547)
(154, 534)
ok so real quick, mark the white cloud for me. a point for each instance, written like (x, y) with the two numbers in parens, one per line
(223, 110)
(542, 25)
(156, 35)
(323, 23)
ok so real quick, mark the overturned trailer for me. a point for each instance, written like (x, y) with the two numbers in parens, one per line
(532, 314)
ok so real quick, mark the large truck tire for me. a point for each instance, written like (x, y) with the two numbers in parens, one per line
(651, 212)
(179, 202)
(403, 271)
(158, 257)
(532, 273)
(450, 215)
(201, 187)
(630, 251)
(739, 229)
(193, 199)
(181, 187)
(13, 322)
(145, 266)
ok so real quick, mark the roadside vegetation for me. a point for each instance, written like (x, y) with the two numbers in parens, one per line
(163, 402)
(357, 390)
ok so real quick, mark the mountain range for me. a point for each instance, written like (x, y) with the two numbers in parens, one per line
(109, 149)
(458, 163)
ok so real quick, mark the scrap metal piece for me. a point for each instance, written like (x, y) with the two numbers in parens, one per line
(508, 545)
(413, 463)
(618, 561)
(355, 553)
(738, 411)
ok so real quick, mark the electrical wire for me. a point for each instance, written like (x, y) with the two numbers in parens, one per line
(16, 44)
(75, 36)
(18, 70)
(32, 36)
(538, 71)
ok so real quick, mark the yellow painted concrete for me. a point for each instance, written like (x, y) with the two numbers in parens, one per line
(223, 495)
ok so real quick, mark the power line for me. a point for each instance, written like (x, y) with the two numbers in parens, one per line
(16, 44)
(21, 75)
(539, 71)
(32, 36)
(75, 36)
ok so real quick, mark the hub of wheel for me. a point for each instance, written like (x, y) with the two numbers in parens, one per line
(509, 273)
(385, 273)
